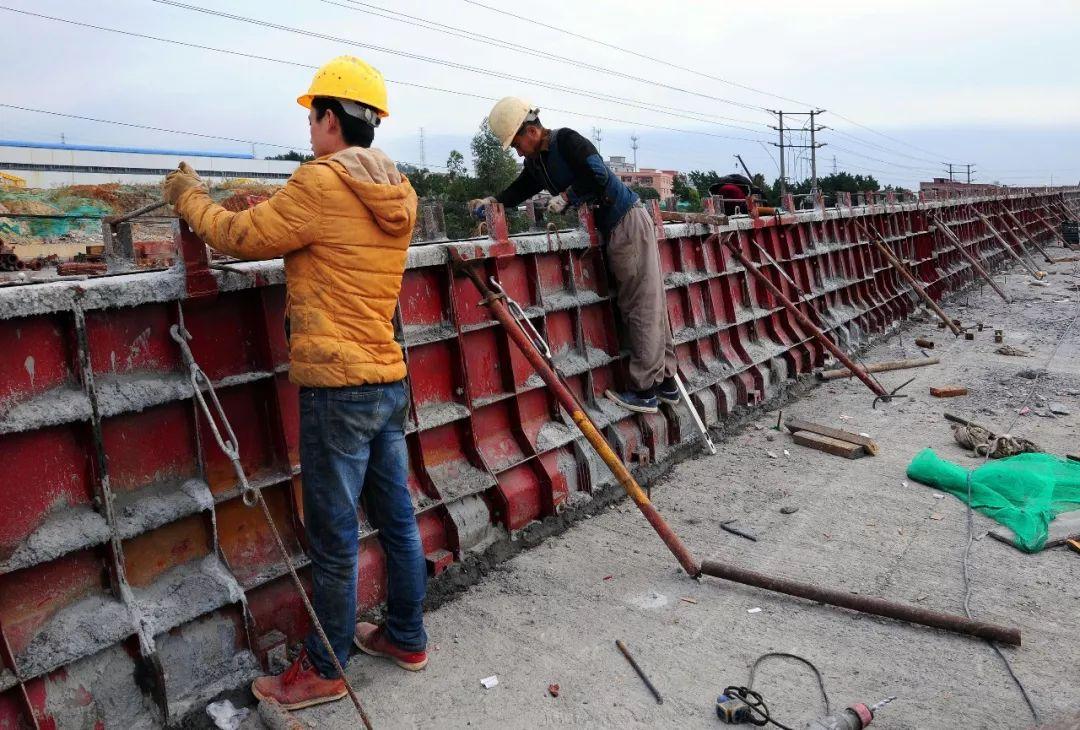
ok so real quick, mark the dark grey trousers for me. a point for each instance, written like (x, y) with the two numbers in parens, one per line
(635, 263)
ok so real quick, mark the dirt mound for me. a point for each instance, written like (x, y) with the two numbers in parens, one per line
(30, 206)
(108, 193)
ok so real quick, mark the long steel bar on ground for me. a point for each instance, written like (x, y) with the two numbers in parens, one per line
(640, 671)
(1028, 236)
(865, 604)
(881, 367)
(497, 304)
(879, 242)
(821, 337)
(972, 260)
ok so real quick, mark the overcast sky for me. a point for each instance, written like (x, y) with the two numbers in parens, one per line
(934, 82)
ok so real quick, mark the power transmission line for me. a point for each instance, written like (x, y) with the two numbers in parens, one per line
(148, 127)
(270, 59)
(654, 108)
(533, 21)
(416, 21)
(634, 103)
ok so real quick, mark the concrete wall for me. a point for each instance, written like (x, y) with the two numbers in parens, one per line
(125, 548)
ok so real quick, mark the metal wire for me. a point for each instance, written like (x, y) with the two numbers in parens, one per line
(252, 495)
(970, 518)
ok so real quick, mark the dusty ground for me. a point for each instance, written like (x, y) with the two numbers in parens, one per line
(552, 614)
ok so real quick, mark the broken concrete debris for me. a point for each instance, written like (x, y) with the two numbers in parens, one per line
(728, 526)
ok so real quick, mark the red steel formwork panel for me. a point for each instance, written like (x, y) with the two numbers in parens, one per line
(125, 548)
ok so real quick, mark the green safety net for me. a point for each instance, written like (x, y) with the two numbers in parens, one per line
(1023, 492)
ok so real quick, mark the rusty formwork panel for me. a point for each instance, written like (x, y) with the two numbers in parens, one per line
(134, 583)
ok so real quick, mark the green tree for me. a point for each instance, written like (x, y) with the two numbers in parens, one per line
(495, 167)
(702, 180)
(293, 156)
(455, 164)
(645, 192)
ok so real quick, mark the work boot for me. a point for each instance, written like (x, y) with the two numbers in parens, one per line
(371, 639)
(668, 391)
(299, 686)
(639, 401)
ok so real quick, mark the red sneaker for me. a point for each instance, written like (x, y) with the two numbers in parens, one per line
(299, 686)
(371, 639)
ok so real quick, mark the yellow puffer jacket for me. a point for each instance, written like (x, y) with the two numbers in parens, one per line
(343, 223)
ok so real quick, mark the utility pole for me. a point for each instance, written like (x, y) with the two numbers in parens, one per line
(783, 180)
(834, 164)
(596, 135)
(634, 147)
(812, 146)
(950, 172)
(968, 166)
(423, 159)
(813, 154)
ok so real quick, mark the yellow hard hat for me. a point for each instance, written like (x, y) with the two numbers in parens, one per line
(507, 116)
(347, 77)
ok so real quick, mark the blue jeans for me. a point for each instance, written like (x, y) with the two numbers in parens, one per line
(352, 440)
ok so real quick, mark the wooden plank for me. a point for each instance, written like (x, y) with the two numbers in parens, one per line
(1066, 527)
(948, 391)
(797, 424)
(880, 367)
(829, 445)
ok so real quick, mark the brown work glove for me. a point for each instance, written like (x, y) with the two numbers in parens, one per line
(179, 181)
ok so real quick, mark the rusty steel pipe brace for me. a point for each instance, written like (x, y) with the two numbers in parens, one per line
(813, 329)
(959, 246)
(865, 604)
(1031, 239)
(878, 240)
(497, 304)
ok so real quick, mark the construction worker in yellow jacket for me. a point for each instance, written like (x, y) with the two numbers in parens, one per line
(343, 222)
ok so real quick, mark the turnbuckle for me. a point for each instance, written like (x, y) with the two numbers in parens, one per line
(199, 381)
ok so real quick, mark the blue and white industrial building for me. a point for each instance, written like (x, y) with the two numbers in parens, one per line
(48, 164)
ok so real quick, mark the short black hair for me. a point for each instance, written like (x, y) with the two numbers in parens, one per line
(531, 123)
(356, 132)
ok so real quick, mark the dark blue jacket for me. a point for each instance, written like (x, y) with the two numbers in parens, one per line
(572, 164)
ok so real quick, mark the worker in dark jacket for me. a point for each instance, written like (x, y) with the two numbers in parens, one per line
(568, 166)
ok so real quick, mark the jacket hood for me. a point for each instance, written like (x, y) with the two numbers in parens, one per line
(379, 185)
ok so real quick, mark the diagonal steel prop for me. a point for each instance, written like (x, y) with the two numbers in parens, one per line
(955, 242)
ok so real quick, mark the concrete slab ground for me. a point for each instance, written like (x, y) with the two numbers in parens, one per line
(552, 614)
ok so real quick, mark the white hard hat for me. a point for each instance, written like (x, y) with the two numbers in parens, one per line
(507, 116)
